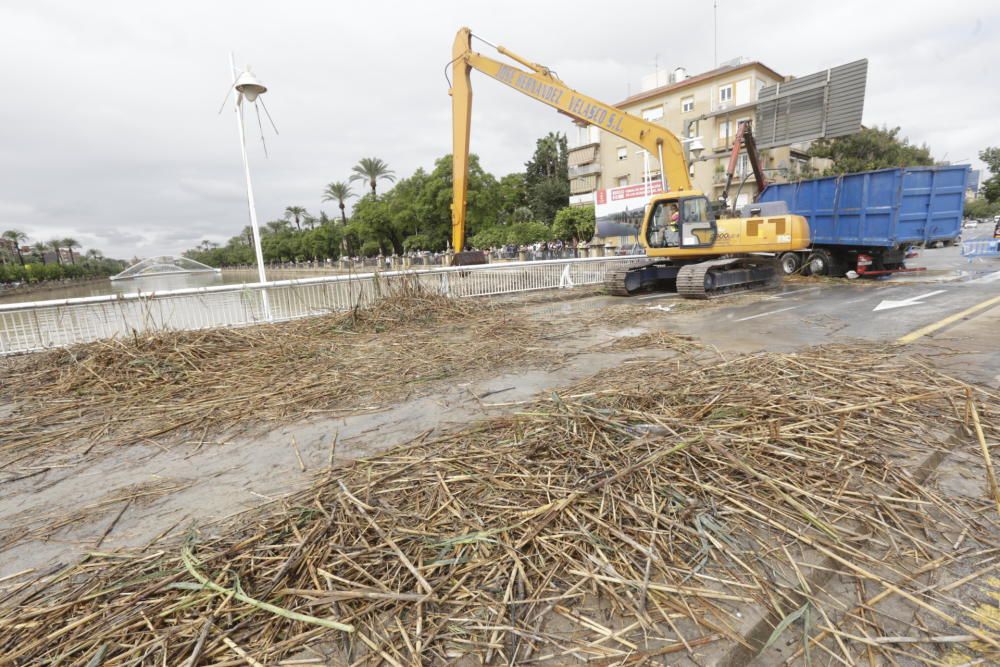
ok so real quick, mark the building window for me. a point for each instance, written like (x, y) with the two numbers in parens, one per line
(726, 93)
(743, 166)
(622, 152)
(687, 104)
(652, 178)
(622, 181)
(725, 129)
(653, 113)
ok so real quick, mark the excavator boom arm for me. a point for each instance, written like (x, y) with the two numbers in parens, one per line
(545, 87)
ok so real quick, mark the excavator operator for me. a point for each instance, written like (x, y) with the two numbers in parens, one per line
(664, 230)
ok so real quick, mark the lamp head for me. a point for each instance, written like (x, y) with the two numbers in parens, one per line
(696, 147)
(248, 85)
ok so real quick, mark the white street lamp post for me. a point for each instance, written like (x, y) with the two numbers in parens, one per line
(246, 85)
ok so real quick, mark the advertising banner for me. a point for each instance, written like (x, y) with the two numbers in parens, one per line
(619, 210)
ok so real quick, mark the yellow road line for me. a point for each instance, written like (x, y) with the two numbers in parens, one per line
(951, 319)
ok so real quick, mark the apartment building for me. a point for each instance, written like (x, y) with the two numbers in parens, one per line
(708, 106)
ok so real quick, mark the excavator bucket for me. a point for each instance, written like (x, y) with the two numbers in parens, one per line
(469, 258)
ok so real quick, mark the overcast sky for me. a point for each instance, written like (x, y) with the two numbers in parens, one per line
(109, 130)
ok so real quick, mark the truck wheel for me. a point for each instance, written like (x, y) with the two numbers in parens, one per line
(820, 263)
(790, 262)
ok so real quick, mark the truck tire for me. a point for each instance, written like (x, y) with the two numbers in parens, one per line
(819, 263)
(790, 262)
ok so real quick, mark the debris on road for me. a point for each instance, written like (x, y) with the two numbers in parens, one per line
(739, 506)
(203, 382)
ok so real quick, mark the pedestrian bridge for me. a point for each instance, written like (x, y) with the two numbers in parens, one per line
(163, 265)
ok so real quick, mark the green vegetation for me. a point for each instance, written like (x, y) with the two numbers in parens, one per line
(981, 208)
(39, 272)
(18, 264)
(371, 169)
(17, 239)
(991, 186)
(871, 148)
(415, 214)
(574, 223)
(546, 178)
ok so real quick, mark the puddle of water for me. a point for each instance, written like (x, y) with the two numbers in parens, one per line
(629, 332)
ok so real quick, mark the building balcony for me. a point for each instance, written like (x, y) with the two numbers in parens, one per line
(582, 185)
(582, 154)
(584, 169)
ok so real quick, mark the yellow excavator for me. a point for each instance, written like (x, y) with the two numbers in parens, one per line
(689, 250)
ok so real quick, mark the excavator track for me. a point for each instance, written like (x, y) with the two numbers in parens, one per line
(615, 283)
(721, 277)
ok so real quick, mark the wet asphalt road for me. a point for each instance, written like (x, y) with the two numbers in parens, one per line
(887, 310)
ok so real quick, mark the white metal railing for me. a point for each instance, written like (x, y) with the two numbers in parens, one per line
(981, 248)
(30, 326)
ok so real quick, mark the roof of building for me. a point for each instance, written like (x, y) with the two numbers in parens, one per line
(697, 78)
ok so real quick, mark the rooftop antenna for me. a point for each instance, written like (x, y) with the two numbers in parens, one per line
(715, 28)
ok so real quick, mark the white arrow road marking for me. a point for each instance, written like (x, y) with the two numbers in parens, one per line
(889, 304)
(665, 295)
(798, 291)
(770, 312)
(988, 278)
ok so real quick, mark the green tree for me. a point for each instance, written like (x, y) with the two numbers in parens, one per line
(574, 222)
(521, 214)
(513, 193)
(546, 177)
(295, 213)
(340, 192)
(523, 233)
(374, 216)
(39, 249)
(991, 186)
(420, 206)
(17, 238)
(55, 245)
(981, 208)
(275, 227)
(871, 148)
(69, 244)
(371, 169)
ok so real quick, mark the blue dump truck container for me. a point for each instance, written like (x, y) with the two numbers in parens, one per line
(866, 222)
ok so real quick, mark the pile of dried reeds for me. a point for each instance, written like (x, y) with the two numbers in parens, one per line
(668, 507)
(137, 389)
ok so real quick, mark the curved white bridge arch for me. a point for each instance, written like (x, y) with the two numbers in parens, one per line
(164, 265)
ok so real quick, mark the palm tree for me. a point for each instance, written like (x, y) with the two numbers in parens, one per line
(294, 212)
(56, 244)
(94, 255)
(371, 169)
(17, 238)
(339, 192)
(275, 226)
(40, 249)
(69, 244)
(309, 220)
(248, 232)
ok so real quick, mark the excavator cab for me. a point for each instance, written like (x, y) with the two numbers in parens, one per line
(676, 221)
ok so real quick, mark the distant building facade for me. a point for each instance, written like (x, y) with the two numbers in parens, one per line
(709, 106)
